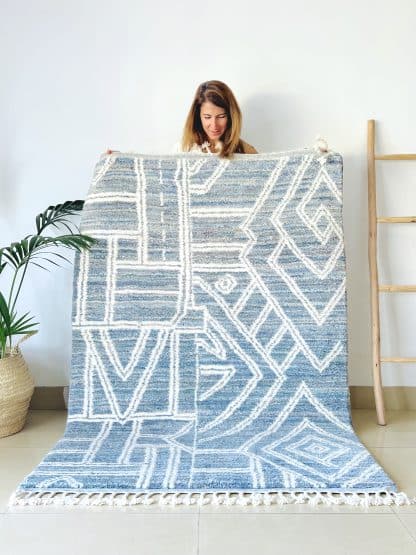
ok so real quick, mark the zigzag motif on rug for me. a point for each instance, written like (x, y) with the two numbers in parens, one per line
(210, 340)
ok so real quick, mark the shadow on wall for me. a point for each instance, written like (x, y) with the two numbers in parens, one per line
(355, 227)
(272, 123)
(8, 178)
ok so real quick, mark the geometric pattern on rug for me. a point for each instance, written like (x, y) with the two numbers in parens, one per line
(210, 332)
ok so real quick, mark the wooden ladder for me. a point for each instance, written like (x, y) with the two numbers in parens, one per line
(376, 288)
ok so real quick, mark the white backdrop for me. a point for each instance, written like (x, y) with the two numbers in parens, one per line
(81, 76)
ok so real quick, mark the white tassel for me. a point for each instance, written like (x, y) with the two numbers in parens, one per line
(242, 499)
(214, 499)
(163, 499)
(86, 500)
(365, 501)
(314, 500)
(177, 499)
(256, 499)
(119, 499)
(387, 499)
(68, 499)
(101, 498)
(321, 144)
(334, 499)
(138, 499)
(377, 499)
(227, 500)
(281, 500)
(322, 149)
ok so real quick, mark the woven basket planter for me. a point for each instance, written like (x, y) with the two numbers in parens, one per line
(16, 390)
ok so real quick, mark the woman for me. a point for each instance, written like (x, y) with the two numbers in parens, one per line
(213, 124)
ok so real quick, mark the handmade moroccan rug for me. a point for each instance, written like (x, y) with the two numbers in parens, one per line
(210, 339)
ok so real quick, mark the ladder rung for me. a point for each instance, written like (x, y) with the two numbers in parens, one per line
(397, 220)
(397, 359)
(397, 288)
(395, 157)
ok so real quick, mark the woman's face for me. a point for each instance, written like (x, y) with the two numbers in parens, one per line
(214, 120)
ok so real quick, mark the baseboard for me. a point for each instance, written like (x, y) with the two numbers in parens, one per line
(395, 397)
(48, 398)
(362, 397)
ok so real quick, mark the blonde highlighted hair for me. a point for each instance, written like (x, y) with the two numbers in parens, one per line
(221, 95)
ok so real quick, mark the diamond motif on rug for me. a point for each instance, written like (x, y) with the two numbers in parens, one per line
(210, 336)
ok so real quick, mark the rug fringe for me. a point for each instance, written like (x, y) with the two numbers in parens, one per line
(123, 499)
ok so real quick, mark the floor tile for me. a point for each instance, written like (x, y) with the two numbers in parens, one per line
(292, 508)
(400, 465)
(43, 428)
(397, 420)
(105, 533)
(399, 432)
(409, 521)
(15, 464)
(376, 534)
(405, 509)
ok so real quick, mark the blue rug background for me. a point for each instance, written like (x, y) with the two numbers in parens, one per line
(210, 332)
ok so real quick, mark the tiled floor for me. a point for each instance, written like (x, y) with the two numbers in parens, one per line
(293, 529)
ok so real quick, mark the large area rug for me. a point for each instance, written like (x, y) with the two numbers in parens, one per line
(210, 339)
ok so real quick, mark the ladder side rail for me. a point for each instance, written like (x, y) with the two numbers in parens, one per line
(374, 285)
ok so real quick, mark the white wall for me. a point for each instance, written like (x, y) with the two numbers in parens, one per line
(80, 76)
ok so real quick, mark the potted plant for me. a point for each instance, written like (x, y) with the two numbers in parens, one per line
(16, 383)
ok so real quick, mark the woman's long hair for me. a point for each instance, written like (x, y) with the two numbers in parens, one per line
(222, 96)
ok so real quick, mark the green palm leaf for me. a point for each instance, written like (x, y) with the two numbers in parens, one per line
(5, 316)
(36, 249)
(19, 254)
(11, 325)
(58, 214)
